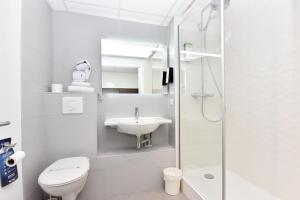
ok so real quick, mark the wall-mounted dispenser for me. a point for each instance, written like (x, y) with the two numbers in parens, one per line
(164, 79)
(165, 83)
(171, 75)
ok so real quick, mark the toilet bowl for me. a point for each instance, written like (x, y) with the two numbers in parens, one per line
(65, 178)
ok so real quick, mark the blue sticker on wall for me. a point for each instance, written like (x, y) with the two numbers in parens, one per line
(8, 174)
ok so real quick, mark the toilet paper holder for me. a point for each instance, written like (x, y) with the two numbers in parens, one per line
(5, 148)
(11, 159)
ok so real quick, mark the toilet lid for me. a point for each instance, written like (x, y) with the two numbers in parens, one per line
(65, 171)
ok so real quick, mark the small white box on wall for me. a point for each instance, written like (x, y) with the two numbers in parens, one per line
(72, 105)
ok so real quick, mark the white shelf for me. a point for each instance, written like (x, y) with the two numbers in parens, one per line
(69, 93)
(120, 88)
(196, 55)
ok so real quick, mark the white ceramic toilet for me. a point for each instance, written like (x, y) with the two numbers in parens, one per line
(65, 178)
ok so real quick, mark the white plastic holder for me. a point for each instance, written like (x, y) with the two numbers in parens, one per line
(172, 178)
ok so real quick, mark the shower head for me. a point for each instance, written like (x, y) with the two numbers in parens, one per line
(215, 4)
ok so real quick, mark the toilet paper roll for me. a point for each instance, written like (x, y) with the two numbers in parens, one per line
(56, 88)
(15, 158)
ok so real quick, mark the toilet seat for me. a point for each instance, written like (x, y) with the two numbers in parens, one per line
(64, 171)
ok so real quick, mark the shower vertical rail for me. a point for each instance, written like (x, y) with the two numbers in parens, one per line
(222, 45)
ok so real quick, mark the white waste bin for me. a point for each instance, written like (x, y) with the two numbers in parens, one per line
(172, 177)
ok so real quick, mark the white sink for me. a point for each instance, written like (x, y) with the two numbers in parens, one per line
(141, 128)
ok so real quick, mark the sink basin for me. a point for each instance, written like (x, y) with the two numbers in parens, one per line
(142, 126)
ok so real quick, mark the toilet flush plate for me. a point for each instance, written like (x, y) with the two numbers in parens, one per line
(72, 105)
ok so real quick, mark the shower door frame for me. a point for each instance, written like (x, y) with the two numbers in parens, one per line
(177, 23)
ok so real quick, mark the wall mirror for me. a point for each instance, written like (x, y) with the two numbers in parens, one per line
(130, 67)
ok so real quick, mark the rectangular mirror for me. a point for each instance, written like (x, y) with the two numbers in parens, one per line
(132, 67)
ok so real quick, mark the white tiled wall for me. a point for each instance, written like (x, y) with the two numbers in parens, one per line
(69, 135)
(262, 89)
(123, 174)
(36, 76)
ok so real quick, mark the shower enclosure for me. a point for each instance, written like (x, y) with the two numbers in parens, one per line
(201, 43)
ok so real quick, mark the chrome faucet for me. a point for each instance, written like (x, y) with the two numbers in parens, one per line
(136, 113)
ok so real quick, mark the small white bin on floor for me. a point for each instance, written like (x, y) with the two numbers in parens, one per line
(172, 177)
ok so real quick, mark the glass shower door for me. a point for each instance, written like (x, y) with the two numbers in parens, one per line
(201, 98)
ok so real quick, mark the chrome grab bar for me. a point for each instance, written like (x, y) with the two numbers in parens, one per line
(5, 123)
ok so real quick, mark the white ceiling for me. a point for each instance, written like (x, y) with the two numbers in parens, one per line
(158, 12)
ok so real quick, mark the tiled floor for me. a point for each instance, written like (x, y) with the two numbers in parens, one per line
(152, 195)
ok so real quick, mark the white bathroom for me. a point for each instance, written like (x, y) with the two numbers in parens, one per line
(149, 100)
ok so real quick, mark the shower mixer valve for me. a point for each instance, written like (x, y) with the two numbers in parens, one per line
(200, 95)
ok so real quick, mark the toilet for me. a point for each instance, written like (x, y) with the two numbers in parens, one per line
(65, 178)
